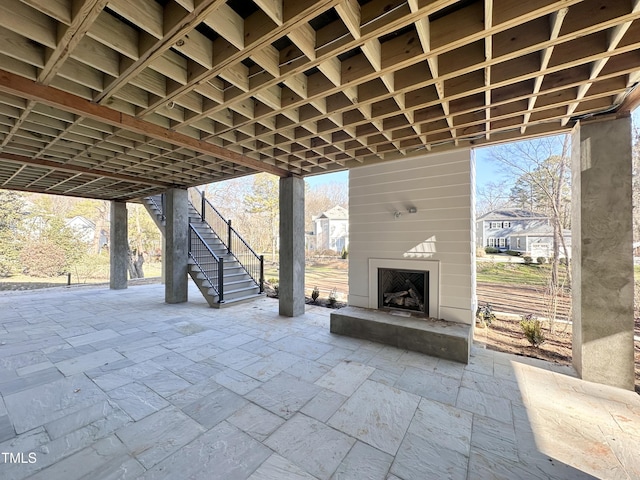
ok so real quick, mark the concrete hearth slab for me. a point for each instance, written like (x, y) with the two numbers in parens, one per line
(439, 338)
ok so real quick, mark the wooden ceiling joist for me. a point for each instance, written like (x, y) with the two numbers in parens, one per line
(16, 85)
(56, 166)
(192, 92)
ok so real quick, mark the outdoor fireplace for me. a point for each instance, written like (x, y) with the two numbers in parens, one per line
(403, 290)
(396, 276)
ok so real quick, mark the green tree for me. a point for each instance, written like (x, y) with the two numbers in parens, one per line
(54, 250)
(11, 215)
(263, 200)
(98, 212)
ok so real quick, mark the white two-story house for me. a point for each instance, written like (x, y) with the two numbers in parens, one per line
(331, 229)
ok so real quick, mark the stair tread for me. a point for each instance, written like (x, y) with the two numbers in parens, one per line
(234, 273)
(240, 299)
(237, 290)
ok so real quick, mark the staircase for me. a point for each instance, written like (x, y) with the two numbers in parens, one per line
(226, 272)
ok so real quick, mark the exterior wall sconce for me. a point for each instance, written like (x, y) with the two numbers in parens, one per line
(397, 214)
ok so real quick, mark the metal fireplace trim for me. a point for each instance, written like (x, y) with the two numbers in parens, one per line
(431, 266)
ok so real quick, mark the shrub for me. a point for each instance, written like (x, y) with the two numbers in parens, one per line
(326, 253)
(491, 250)
(532, 329)
(513, 253)
(485, 315)
(315, 293)
(563, 261)
(344, 253)
(91, 267)
(333, 298)
(527, 260)
(43, 259)
(541, 260)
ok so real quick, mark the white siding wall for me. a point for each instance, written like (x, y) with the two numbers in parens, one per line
(441, 187)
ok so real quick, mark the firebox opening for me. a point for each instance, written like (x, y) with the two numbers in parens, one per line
(403, 290)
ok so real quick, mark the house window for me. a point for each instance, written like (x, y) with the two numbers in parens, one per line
(495, 224)
(502, 242)
(492, 242)
(518, 242)
(506, 224)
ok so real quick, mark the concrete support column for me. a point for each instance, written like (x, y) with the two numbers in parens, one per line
(602, 263)
(118, 246)
(163, 259)
(291, 282)
(177, 246)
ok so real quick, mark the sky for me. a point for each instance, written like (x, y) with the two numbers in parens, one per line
(486, 169)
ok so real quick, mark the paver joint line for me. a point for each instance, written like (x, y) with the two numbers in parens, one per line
(130, 384)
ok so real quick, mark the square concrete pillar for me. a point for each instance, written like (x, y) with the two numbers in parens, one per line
(602, 263)
(176, 246)
(118, 246)
(291, 282)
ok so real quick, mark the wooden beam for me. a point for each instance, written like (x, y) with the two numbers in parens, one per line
(85, 15)
(630, 103)
(22, 87)
(33, 162)
(172, 36)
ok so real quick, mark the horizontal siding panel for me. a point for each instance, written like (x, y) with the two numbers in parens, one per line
(402, 247)
(368, 197)
(386, 217)
(358, 300)
(455, 302)
(459, 259)
(461, 315)
(412, 184)
(460, 236)
(423, 206)
(448, 227)
(414, 167)
(455, 291)
(456, 270)
(439, 187)
(449, 279)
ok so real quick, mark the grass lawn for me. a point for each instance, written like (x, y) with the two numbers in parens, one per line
(96, 273)
(515, 273)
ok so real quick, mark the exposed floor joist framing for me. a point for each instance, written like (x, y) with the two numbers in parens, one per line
(184, 92)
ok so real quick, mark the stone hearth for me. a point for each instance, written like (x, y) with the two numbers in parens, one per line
(439, 338)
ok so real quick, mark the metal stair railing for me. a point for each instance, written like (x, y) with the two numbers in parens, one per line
(160, 206)
(211, 266)
(250, 261)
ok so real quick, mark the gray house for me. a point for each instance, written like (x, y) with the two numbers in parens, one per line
(520, 230)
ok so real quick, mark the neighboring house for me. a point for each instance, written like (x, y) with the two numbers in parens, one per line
(520, 230)
(331, 230)
(86, 229)
(537, 241)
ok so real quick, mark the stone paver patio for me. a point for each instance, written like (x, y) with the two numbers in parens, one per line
(107, 384)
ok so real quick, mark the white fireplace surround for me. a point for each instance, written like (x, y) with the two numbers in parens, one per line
(431, 266)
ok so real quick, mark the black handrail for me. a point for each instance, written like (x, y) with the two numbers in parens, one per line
(248, 259)
(211, 266)
(160, 207)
